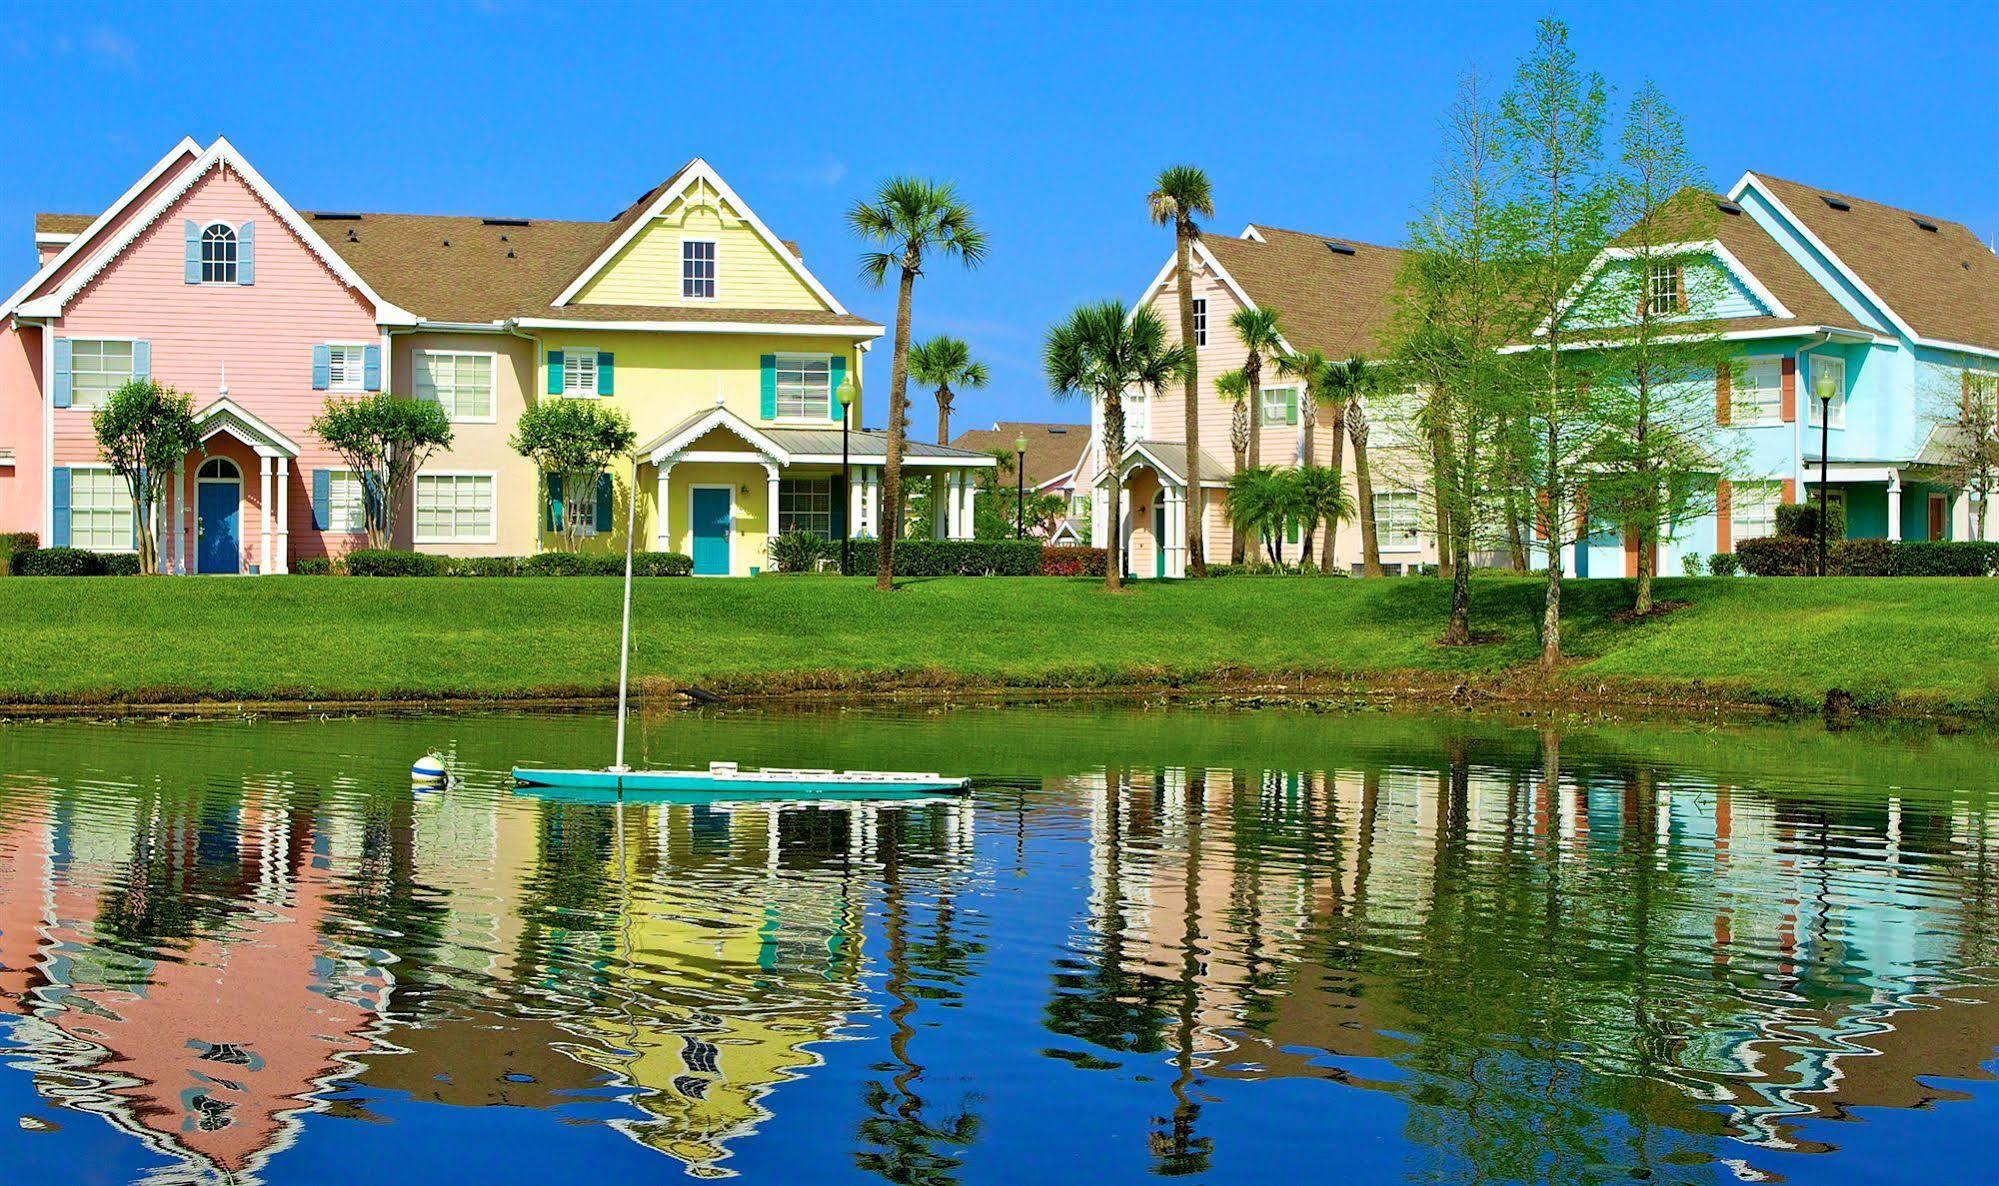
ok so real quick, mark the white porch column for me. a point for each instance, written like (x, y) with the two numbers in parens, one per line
(1200, 499)
(941, 516)
(284, 532)
(1175, 542)
(1101, 509)
(1894, 504)
(871, 501)
(176, 521)
(770, 507)
(857, 520)
(264, 513)
(662, 483)
(967, 519)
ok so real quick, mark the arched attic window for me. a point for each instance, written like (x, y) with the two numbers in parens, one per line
(218, 254)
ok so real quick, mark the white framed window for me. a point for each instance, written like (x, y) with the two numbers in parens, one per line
(1200, 321)
(805, 504)
(100, 510)
(1752, 509)
(346, 511)
(459, 381)
(1137, 417)
(1278, 403)
(1758, 393)
(96, 369)
(1665, 290)
(697, 269)
(804, 386)
(346, 367)
(218, 253)
(1396, 520)
(579, 372)
(1392, 419)
(1836, 369)
(454, 508)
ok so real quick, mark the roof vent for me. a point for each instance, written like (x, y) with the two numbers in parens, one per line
(1728, 207)
(324, 216)
(447, 242)
(1056, 430)
(504, 221)
(351, 236)
(1836, 203)
(1340, 248)
(510, 253)
(1924, 224)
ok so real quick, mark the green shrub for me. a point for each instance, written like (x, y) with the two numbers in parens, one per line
(485, 566)
(1777, 555)
(1247, 570)
(1945, 558)
(13, 544)
(662, 564)
(313, 566)
(119, 564)
(1691, 564)
(1861, 558)
(958, 557)
(1724, 564)
(383, 562)
(1802, 519)
(797, 551)
(59, 562)
(1074, 562)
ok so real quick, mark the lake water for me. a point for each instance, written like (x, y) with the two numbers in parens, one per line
(1233, 946)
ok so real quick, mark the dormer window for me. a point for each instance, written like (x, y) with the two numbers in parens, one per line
(218, 254)
(1665, 290)
(697, 269)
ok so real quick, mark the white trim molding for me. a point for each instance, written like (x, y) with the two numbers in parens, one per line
(869, 331)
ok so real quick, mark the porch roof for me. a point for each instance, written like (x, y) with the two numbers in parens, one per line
(1170, 458)
(795, 446)
(225, 415)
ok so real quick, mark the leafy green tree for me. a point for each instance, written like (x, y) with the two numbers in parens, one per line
(146, 430)
(1180, 193)
(1961, 405)
(911, 218)
(1262, 501)
(384, 439)
(1347, 384)
(1314, 373)
(941, 363)
(572, 442)
(1319, 495)
(1261, 334)
(1100, 351)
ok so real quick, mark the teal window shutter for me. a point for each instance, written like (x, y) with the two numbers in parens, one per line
(322, 499)
(604, 364)
(371, 367)
(322, 367)
(553, 483)
(191, 269)
(59, 501)
(769, 406)
(246, 253)
(142, 360)
(605, 497)
(555, 372)
(836, 372)
(61, 390)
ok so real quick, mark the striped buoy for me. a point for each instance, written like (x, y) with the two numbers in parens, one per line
(429, 768)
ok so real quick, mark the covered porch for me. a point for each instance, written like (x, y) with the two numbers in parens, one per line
(723, 487)
(1149, 493)
(1893, 500)
(228, 509)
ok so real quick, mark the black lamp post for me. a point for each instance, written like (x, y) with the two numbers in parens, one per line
(1020, 485)
(1825, 388)
(846, 396)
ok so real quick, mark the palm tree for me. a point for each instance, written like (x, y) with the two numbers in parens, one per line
(940, 363)
(1352, 382)
(1260, 335)
(909, 216)
(1261, 500)
(1233, 387)
(1313, 370)
(1321, 497)
(1181, 192)
(1102, 351)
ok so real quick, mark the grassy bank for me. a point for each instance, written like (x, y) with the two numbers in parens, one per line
(1933, 642)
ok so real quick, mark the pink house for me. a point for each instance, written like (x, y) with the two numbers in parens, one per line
(203, 277)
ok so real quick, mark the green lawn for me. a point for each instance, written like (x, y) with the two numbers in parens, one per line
(330, 638)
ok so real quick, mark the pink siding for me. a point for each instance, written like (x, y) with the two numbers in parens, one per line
(262, 335)
(164, 181)
(21, 428)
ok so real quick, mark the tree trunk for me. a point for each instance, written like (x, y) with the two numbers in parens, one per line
(1551, 608)
(1643, 604)
(1329, 552)
(1516, 537)
(937, 506)
(898, 412)
(1370, 543)
(1183, 228)
(1239, 439)
(1114, 448)
(1252, 369)
(1440, 471)
(1307, 421)
(1457, 632)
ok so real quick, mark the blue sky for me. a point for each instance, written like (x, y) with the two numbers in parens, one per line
(1053, 119)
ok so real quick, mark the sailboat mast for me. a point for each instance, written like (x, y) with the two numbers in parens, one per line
(625, 631)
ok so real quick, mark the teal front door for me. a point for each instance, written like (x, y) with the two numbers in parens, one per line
(711, 530)
(1159, 539)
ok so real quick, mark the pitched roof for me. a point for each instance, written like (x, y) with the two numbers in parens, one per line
(63, 224)
(1327, 299)
(1052, 449)
(1943, 282)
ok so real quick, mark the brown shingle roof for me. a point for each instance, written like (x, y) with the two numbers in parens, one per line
(1944, 282)
(1341, 304)
(63, 224)
(1052, 449)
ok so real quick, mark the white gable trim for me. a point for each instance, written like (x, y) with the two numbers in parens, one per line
(78, 242)
(717, 417)
(699, 170)
(219, 153)
(699, 327)
(1220, 273)
(1712, 247)
(226, 415)
(1752, 181)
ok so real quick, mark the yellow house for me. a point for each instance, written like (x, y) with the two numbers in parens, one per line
(684, 310)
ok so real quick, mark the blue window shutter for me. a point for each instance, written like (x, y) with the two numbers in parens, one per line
(59, 500)
(142, 360)
(322, 499)
(60, 388)
(191, 271)
(769, 386)
(371, 367)
(555, 372)
(322, 367)
(836, 373)
(605, 497)
(604, 380)
(553, 483)
(246, 253)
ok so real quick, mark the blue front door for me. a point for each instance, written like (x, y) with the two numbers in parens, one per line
(711, 531)
(219, 507)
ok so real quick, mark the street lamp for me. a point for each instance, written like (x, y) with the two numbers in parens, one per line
(846, 394)
(1020, 485)
(1825, 387)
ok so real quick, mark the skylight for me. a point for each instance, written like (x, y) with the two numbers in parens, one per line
(1340, 248)
(1727, 207)
(504, 221)
(1924, 223)
(1836, 203)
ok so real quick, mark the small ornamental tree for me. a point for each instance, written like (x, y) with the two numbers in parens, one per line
(145, 430)
(384, 439)
(572, 442)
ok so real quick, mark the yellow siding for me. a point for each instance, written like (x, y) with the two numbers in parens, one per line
(748, 273)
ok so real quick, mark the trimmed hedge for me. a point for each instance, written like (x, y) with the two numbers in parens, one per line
(384, 562)
(1777, 555)
(1861, 558)
(1073, 562)
(74, 562)
(312, 566)
(15, 544)
(1802, 519)
(956, 557)
(1945, 558)
(1724, 564)
(374, 562)
(1791, 556)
